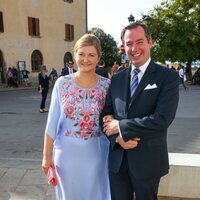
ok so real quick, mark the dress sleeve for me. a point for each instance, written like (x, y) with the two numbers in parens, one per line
(54, 113)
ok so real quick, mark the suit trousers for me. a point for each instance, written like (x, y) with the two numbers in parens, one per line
(125, 187)
(44, 96)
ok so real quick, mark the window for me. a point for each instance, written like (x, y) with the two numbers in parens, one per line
(1, 22)
(69, 1)
(36, 60)
(33, 26)
(69, 32)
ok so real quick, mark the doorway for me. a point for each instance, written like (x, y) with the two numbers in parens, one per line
(2, 69)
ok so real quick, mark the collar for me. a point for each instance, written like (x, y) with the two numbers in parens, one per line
(142, 68)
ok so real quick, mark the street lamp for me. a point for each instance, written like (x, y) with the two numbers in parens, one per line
(131, 19)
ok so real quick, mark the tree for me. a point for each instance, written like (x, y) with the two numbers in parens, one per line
(110, 51)
(175, 28)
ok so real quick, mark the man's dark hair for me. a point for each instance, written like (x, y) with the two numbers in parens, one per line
(101, 62)
(133, 26)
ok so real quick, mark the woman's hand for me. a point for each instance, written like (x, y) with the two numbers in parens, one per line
(46, 163)
(40, 91)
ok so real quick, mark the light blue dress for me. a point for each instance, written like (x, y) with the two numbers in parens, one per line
(80, 147)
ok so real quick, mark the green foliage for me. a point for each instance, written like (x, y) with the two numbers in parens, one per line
(108, 45)
(175, 28)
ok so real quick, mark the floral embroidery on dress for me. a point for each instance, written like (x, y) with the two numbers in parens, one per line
(83, 106)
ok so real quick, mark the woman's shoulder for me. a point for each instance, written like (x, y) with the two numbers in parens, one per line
(64, 80)
(104, 83)
(104, 80)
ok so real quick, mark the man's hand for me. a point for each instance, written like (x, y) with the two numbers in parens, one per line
(130, 144)
(110, 125)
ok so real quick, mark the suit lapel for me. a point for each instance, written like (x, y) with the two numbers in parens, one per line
(148, 75)
(126, 82)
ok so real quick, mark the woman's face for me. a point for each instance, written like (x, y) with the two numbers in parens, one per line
(87, 58)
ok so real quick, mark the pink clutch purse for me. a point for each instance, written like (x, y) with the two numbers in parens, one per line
(51, 176)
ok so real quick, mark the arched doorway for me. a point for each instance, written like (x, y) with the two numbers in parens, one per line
(67, 57)
(36, 60)
(2, 69)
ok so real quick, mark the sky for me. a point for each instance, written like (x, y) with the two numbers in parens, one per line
(112, 15)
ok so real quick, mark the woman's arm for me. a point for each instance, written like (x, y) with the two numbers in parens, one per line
(47, 153)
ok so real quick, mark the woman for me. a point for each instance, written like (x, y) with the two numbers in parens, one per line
(80, 149)
(43, 87)
(25, 77)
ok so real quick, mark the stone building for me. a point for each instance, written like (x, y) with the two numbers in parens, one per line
(36, 32)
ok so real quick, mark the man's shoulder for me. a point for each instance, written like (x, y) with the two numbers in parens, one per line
(121, 75)
(123, 71)
(166, 72)
(162, 68)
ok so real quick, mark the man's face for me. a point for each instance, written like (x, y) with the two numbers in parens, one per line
(70, 64)
(137, 47)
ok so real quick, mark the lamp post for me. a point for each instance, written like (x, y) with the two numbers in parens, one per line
(131, 19)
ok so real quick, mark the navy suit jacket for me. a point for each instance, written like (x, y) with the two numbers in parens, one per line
(66, 71)
(102, 72)
(146, 115)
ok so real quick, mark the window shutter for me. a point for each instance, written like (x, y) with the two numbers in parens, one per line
(66, 32)
(72, 33)
(30, 26)
(37, 26)
(69, 32)
(1, 22)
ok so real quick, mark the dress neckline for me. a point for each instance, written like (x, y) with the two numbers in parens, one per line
(89, 88)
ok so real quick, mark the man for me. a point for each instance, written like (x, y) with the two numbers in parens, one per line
(15, 77)
(137, 124)
(69, 69)
(181, 75)
(100, 69)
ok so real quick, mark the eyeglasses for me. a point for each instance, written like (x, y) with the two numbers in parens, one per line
(70, 63)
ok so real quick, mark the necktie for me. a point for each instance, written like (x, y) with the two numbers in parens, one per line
(134, 81)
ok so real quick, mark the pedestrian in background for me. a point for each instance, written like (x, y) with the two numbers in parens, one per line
(10, 77)
(15, 77)
(101, 70)
(181, 75)
(25, 77)
(120, 66)
(80, 149)
(69, 69)
(141, 103)
(114, 68)
(43, 87)
(53, 76)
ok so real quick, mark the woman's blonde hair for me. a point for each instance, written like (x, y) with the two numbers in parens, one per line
(88, 40)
